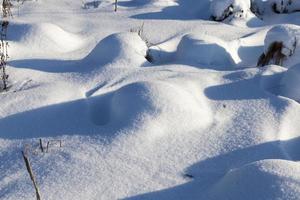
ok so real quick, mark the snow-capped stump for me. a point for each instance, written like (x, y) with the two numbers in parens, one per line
(289, 84)
(205, 51)
(280, 44)
(227, 9)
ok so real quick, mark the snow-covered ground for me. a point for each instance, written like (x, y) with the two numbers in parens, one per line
(200, 121)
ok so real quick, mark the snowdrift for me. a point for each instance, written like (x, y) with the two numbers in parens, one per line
(44, 36)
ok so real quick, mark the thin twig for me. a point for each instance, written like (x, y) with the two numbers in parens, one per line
(116, 5)
(41, 146)
(29, 169)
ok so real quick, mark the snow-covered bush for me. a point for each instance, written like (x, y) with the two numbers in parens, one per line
(266, 7)
(280, 43)
(290, 82)
(223, 9)
(258, 7)
(90, 4)
(285, 6)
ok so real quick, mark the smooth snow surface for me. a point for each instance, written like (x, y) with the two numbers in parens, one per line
(290, 83)
(154, 101)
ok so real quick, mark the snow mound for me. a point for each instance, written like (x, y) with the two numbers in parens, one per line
(123, 47)
(243, 51)
(160, 103)
(285, 34)
(204, 50)
(164, 52)
(221, 9)
(290, 83)
(45, 36)
(265, 179)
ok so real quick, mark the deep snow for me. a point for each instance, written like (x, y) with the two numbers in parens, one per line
(200, 121)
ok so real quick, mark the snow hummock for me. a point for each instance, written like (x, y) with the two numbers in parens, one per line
(122, 47)
(204, 50)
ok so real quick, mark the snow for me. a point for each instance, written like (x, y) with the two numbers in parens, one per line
(178, 112)
(289, 83)
(278, 176)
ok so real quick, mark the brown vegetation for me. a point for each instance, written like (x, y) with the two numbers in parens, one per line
(273, 56)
